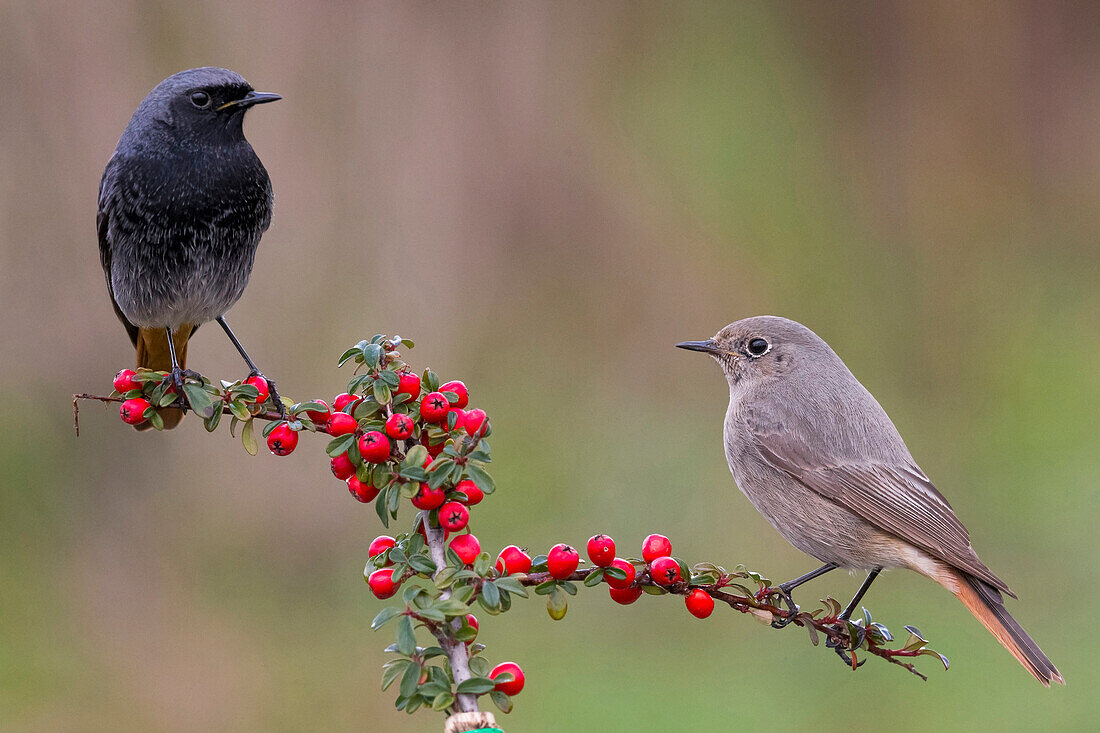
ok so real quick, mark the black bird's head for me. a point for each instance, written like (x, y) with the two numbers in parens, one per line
(203, 106)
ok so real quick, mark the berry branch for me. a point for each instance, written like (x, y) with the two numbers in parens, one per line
(397, 436)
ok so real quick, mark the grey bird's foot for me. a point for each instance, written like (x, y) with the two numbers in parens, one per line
(275, 399)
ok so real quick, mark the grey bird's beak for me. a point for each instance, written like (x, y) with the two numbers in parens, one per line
(251, 99)
(707, 347)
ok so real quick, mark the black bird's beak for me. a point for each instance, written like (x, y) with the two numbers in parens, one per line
(707, 347)
(250, 99)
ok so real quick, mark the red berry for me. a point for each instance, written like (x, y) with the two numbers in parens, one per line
(471, 621)
(699, 603)
(601, 550)
(562, 561)
(343, 400)
(459, 389)
(341, 424)
(513, 686)
(124, 381)
(361, 490)
(282, 440)
(474, 495)
(655, 546)
(399, 426)
(466, 547)
(665, 571)
(320, 417)
(260, 384)
(433, 408)
(474, 421)
(409, 384)
(625, 596)
(626, 568)
(513, 560)
(381, 583)
(374, 447)
(342, 467)
(380, 544)
(460, 418)
(133, 410)
(453, 516)
(428, 498)
(434, 449)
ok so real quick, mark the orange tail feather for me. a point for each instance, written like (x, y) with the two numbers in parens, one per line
(153, 353)
(985, 602)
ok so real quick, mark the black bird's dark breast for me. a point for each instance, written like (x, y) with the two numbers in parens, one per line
(178, 232)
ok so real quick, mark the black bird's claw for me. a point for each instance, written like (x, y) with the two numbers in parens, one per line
(275, 399)
(841, 648)
(792, 607)
(178, 376)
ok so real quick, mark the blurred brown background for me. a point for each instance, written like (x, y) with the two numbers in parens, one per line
(546, 197)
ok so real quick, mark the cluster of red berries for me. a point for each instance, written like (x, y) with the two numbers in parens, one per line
(663, 569)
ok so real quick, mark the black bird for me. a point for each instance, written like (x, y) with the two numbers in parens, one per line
(182, 205)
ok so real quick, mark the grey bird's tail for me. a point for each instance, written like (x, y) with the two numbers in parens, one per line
(985, 602)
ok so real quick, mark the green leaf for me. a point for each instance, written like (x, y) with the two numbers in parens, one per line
(491, 594)
(557, 604)
(502, 701)
(406, 639)
(386, 614)
(410, 680)
(211, 423)
(482, 479)
(382, 392)
(199, 399)
(443, 701)
(248, 438)
(415, 457)
(390, 378)
(613, 573)
(594, 577)
(475, 686)
(392, 670)
(372, 354)
(339, 445)
(512, 585)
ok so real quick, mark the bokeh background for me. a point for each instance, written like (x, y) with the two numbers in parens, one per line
(547, 196)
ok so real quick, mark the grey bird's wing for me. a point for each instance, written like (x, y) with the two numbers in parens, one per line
(103, 225)
(894, 496)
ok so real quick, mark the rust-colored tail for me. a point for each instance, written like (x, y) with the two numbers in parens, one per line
(985, 602)
(153, 353)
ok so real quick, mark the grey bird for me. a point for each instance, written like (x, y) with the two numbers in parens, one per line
(182, 204)
(817, 455)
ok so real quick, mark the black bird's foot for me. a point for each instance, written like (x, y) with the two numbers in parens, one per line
(178, 376)
(838, 645)
(792, 607)
(275, 399)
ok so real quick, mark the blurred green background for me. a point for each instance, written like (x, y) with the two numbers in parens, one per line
(546, 197)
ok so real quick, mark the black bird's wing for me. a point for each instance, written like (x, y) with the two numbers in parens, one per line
(898, 499)
(103, 221)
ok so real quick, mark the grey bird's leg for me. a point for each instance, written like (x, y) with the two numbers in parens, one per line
(785, 589)
(254, 372)
(847, 614)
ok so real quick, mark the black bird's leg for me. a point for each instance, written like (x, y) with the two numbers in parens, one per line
(784, 590)
(252, 367)
(847, 614)
(179, 374)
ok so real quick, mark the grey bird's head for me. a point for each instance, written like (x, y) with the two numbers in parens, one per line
(764, 349)
(193, 108)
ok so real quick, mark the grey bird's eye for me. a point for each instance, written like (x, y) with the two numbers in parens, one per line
(200, 99)
(758, 347)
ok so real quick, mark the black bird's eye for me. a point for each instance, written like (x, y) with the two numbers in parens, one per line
(758, 347)
(200, 99)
